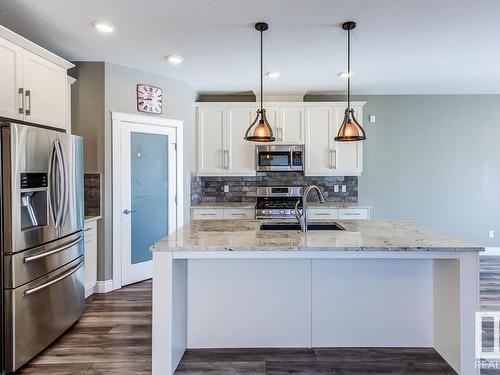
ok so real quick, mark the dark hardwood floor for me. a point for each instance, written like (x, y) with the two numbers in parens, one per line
(114, 337)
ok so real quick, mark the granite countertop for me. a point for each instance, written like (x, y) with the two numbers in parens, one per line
(363, 235)
(225, 205)
(337, 205)
(92, 217)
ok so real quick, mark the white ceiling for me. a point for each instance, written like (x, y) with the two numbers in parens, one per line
(399, 46)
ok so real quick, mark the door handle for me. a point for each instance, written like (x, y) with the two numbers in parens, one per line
(20, 93)
(28, 102)
(128, 212)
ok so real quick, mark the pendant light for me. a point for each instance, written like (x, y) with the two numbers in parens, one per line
(350, 130)
(260, 130)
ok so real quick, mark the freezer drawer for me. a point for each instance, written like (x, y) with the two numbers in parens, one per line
(37, 313)
(28, 265)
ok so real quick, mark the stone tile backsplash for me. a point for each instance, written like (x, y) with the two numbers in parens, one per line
(92, 194)
(244, 189)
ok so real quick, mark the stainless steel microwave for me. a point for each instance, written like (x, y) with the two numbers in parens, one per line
(279, 158)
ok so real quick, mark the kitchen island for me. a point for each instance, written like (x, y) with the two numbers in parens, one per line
(226, 283)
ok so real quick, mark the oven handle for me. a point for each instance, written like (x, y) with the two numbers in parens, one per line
(53, 281)
(54, 251)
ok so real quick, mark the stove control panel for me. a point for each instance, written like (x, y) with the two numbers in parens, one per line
(275, 213)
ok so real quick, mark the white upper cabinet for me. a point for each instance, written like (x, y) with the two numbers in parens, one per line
(11, 102)
(222, 151)
(349, 155)
(221, 147)
(241, 152)
(320, 154)
(45, 91)
(287, 123)
(33, 87)
(212, 153)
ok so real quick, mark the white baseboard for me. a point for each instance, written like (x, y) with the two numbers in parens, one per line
(89, 290)
(491, 251)
(105, 286)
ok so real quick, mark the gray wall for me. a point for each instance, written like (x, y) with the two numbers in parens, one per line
(104, 87)
(434, 159)
(87, 120)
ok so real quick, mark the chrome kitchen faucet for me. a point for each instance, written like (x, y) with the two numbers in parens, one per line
(302, 217)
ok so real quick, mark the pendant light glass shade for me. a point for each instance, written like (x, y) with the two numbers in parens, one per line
(350, 130)
(260, 130)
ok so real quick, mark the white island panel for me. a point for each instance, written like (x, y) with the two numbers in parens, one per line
(372, 303)
(249, 303)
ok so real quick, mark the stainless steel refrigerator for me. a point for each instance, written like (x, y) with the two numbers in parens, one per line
(41, 237)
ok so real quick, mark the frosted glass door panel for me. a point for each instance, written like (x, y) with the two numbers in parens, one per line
(149, 193)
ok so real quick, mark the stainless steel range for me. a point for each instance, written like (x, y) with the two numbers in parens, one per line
(278, 202)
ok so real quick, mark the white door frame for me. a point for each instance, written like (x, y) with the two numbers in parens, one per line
(117, 120)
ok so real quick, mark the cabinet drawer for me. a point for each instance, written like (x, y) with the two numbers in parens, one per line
(353, 213)
(323, 213)
(90, 229)
(239, 213)
(208, 213)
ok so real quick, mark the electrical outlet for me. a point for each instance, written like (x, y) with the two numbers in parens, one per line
(371, 119)
(226, 188)
(491, 234)
(344, 189)
(335, 188)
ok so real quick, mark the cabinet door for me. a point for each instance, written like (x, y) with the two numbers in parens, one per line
(349, 154)
(10, 80)
(212, 153)
(45, 91)
(241, 152)
(90, 241)
(273, 117)
(291, 125)
(319, 141)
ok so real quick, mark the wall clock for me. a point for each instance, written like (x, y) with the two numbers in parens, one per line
(149, 99)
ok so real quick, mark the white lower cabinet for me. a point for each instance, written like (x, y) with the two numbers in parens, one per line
(328, 213)
(223, 213)
(90, 239)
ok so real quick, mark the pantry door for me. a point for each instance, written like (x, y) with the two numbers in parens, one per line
(148, 191)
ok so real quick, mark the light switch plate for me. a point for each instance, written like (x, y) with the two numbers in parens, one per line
(344, 189)
(371, 119)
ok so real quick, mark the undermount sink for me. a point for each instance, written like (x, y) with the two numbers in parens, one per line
(296, 226)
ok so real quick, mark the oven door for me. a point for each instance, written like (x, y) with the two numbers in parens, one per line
(279, 158)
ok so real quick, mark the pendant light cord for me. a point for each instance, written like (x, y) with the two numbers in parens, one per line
(261, 74)
(349, 69)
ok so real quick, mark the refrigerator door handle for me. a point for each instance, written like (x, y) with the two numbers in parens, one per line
(54, 251)
(60, 183)
(65, 186)
(50, 189)
(52, 282)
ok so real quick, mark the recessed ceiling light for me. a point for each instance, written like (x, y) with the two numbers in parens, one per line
(104, 27)
(174, 59)
(345, 75)
(273, 75)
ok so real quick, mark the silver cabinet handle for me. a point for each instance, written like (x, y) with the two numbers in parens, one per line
(225, 161)
(87, 229)
(54, 251)
(238, 214)
(351, 214)
(207, 214)
(322, 214)
(28, 102)
(20, 93)
(128, 212)
(333, 156)
(52, 282)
